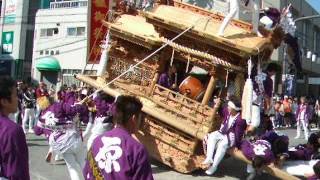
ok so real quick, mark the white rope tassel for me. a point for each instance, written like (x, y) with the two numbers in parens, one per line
(187, 68)
(172, 57)
(249, 68)
(227, 77)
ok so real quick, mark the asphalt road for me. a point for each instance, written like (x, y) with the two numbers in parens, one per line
(229, 169)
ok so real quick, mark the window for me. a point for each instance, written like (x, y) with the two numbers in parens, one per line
(51, 53)
(76, 31)
(47, 52)
(49, 32)
(57, 52)
(41, 52)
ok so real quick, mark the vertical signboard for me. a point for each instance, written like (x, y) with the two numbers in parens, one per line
(7, 42)
(99, 10)
(10, 11)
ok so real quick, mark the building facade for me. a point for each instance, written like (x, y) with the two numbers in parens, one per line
(60, 41)
(17, 26)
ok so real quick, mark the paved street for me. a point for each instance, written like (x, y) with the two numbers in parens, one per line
(229, 169)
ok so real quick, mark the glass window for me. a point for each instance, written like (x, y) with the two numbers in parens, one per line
(47, 52)
(57, 52)
(49, 32)
(76, 31)
(43, 32)
(72, 31)
(41, 52)
(81, 31)
(55, 31)
(51, 53)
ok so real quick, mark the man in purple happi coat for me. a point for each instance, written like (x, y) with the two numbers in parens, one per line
(303, 115)
(303, 157)
(260, 154)
(13, 146)
(60, 121)
(230, 135)
(168, 79)
(103, 119)
(116, 154)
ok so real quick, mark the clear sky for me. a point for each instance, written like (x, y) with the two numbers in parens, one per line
(315, 4)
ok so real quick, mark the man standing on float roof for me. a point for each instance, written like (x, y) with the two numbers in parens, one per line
(13, 147)
(234, 13)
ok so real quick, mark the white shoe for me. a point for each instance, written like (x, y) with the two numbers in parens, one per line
(297, 137)
(31, 131)
(207, 161)
(211, 170)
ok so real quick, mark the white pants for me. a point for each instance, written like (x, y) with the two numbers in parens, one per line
(299, 168)
(255, 6)
(234, 12)
(221, 141)
(75, 159)
(305, 128)
(28, 114)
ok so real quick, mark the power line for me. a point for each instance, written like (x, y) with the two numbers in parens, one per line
(74, 42)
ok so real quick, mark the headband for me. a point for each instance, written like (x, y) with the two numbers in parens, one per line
(233, 106)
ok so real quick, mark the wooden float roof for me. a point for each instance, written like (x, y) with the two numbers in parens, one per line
(237, 39)
(136, 30)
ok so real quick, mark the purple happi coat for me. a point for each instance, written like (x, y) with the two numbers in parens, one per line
(302, 152)
(271, 136)
(236, 132)
(116, 155)
(314, 177)
(257, 148)
(164, 80)
(70, 97)
(59, 126)
(13, 151)
(307, 115)
(41, 127)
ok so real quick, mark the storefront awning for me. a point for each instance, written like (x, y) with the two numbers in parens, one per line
(48, 64)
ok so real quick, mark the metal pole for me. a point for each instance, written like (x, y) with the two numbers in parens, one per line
(307, 17)
(283, 78)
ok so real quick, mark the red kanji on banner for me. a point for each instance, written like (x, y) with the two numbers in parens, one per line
(99, 10)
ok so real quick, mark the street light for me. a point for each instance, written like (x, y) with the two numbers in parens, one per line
(314, 58)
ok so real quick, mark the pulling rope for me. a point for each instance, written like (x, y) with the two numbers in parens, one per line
(143, 60)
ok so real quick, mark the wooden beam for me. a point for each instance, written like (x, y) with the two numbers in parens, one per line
(209, 91)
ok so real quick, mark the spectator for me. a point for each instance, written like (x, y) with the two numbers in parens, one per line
(29, 105)
(287, 111)
(303, 117)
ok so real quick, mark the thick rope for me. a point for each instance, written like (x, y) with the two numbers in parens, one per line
(143, 60)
